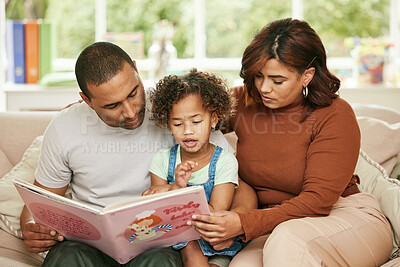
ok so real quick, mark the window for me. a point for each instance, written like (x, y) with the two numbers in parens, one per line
(343, 29)
(212, 35)
(232, 24)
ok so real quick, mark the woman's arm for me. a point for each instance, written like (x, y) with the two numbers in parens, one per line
(221, 227)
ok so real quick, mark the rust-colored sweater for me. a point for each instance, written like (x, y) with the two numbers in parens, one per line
(298, 169)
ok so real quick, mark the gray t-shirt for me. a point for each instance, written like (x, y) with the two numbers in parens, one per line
(103, 164)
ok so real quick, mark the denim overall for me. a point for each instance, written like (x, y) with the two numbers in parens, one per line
(208, 187)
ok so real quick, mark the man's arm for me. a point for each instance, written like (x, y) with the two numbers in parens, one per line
(38, 237)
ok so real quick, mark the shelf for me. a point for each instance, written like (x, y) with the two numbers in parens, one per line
(33, 97)
(13, 87)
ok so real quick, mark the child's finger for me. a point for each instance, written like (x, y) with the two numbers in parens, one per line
(191, 163)
(180, 173)
(182, 168)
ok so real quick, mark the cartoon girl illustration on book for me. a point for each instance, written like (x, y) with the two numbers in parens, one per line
(146, 227)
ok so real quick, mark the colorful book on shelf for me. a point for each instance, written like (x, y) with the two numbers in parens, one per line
(31, 51)
(10, 50)
(47, 47)
(19, 51)
(123, 229)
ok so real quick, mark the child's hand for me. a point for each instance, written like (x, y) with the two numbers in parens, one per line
(183, 172)
(157, 189)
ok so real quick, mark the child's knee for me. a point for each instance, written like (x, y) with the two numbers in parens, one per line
(192, 254)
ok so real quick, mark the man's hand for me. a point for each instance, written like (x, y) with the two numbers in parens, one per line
(39, 238)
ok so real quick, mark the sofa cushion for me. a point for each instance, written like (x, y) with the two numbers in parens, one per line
(11, 203)
(18, 131)
(376, 111)
(392, 263)
(380, 135)
(5, 164)
(381, 141)
(374, 180)
(14, 253)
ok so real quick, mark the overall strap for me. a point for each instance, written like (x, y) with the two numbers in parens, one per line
(213, 163)
(171, 164)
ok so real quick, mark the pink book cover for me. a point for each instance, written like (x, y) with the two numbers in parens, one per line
(124, 229)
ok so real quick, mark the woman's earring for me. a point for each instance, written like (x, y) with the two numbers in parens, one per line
(305, 92)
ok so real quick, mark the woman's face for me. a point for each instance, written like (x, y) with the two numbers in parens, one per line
(279, 86)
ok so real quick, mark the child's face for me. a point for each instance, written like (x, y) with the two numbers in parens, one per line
(191, 124)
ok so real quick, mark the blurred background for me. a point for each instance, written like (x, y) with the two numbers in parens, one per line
(361, 37)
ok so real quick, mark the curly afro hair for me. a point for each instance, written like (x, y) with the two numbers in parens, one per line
(213, 91)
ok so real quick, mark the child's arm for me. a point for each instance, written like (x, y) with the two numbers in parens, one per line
(158, 185)
(221, 197)
(182, 175)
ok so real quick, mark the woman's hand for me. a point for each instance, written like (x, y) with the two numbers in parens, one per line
(218, 228)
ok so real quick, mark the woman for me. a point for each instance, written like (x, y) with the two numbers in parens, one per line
(298, 145)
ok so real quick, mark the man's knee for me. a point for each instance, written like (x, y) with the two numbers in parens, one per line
(70, 253)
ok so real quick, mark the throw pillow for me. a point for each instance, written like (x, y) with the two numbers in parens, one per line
(382, 113)
(4, 163)
(374, 180)
(11, 203)
(381, 141)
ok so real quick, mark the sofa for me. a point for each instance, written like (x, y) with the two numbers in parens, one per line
(20, 143)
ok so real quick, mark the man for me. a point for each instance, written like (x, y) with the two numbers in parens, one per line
(102, 147)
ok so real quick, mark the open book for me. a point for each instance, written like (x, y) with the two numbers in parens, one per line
(123, 229)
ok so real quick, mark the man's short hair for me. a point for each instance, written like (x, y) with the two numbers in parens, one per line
(98, 63)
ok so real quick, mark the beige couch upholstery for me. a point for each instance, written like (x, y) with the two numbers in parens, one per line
(17, 133)
(19, 129)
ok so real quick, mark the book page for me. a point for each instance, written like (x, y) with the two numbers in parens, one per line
(157, 221)
(43, 192)
(67, 220)
(72, 220)
(149, 198)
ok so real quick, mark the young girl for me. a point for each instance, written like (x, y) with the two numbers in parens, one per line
(191, 106)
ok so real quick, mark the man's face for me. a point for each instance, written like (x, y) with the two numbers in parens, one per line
(119, 102)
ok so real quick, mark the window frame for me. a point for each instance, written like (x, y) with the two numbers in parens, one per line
(201, 61)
